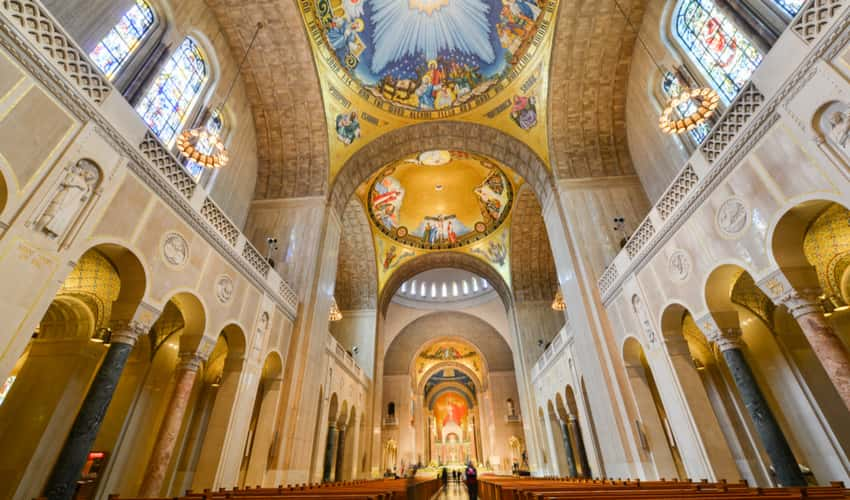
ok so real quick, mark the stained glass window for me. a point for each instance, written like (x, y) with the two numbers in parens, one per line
(790, 6)
(214, 126)
(168, 101)
(115, 48)
(713, 41)
(672, 86)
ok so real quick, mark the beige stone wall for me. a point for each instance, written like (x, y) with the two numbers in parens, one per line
(87, 22)
(784, 162)
(136, 214)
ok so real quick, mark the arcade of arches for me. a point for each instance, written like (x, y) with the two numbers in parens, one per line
(444, 233)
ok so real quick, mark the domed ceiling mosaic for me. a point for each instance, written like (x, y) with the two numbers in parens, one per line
(386, 64)
(428, 55)
(440, 200)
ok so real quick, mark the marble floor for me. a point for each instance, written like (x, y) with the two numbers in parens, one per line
(455, 490)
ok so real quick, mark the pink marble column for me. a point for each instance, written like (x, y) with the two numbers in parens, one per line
(163, 448)
(806, 309)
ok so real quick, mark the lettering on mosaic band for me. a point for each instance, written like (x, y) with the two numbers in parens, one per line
(339, 97)
(369, 118)
(498, 109)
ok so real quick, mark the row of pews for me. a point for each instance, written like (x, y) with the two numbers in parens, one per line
(377, 489)
(504, 488)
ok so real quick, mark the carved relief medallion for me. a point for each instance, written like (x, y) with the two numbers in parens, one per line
(679, 265)
(175, 250)
(223, 288)
(732, 217)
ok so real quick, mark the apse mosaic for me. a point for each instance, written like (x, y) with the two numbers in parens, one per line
(440, 199)
(448, 351)
(428, 58)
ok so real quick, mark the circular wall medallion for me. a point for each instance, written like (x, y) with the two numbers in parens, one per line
(175, 250)
(679, 265)
(732, 217)
(223, 288)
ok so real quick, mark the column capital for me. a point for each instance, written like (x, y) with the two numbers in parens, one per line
(128, 332)
(787, 287)
(190, 361)
(802, 302)
(727, 336)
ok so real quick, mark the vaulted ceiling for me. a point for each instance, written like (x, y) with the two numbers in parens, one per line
(283, 87)
(590, 61)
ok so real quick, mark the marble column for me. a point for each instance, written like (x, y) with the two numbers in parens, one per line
(568, 448)
(806, 309)
(330, 454)
(575, 427)
(784, 464)
(62, 482)
(166, 439)
(340, 454)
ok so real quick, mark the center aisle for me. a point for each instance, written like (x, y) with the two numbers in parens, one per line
(454, 490)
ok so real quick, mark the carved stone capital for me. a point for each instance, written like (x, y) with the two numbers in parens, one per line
(802, 302)
(725, 337)
(128, 332)
(190, 361)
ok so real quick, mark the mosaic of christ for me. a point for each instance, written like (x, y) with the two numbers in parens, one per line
(440, 199)
(428, 54)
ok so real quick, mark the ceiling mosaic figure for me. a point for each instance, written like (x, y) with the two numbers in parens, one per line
(440, 199)
(428, 55)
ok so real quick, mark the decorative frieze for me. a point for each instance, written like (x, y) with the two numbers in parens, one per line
(677, 191)
(814, 18)
(749, 100)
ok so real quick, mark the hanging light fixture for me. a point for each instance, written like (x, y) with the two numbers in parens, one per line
(203, 146)
(335, 314)
(558, 303)
(706, 99)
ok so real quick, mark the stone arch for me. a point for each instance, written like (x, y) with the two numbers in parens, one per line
(432, 260)
(810, 231)
(651, 416)
(464, 136)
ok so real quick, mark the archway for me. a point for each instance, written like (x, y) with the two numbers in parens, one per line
(762, 349)
(48, 384)
(262, 433)
(652, 425)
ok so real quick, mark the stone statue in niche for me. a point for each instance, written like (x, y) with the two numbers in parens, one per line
(835, 124)
(264, 325)
(69, 199)
(643, 318)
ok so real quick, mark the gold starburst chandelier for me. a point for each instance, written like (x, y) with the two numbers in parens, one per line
(706, 101)
(706, 98)
(202, 145)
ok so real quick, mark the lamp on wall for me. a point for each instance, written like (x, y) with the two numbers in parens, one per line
(193, 142)
(705, 99)
(335, 314)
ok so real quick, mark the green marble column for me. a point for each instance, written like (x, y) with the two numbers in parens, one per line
(568, 448)
(62, 482)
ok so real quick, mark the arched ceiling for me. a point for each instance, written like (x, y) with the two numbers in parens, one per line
(591, 57)
(283, 88)
(356, 280)
(533, 274)
(465, 327)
